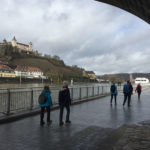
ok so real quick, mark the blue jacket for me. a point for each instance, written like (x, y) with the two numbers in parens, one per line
(116, 90)
(49, 99)
(126, 89)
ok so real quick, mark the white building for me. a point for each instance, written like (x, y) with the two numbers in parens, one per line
(29, 72)
(141, 80)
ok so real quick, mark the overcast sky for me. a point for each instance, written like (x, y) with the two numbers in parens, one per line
(86, 33)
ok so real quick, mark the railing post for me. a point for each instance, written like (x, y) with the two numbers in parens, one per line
(8, 103)
(87, 92)
(102, 90)
(98, 91)
(93, 91)
(72, 93)
(80, 93)
(31, 106)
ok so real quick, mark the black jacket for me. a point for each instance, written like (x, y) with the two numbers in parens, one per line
(64, 97)
(130, 89)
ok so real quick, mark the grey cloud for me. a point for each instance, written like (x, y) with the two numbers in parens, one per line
(86, 33)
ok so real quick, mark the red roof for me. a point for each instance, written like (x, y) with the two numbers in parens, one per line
(30, 69)
(5, 67)
(34, 69)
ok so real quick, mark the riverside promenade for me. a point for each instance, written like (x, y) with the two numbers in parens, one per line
(96, 125)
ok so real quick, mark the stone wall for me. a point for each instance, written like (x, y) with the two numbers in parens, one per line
(2, 51)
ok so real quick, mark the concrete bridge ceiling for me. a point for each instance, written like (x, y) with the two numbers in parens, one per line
(140, 8)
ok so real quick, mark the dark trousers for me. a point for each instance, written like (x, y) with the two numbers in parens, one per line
(42, 113)
(127, 96)
(139, 93)
(115, 97)
(61, 112)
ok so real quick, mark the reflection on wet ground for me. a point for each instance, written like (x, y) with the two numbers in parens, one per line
(91, 123)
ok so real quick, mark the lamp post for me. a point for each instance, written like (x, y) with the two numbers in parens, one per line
(20, 77)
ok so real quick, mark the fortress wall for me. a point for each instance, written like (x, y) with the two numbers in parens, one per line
(2, 51)
(24, 47)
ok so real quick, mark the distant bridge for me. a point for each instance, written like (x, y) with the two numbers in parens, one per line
(140, 8)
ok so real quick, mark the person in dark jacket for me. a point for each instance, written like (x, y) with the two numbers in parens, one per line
(138, 90)
(113, 92)
(130, 92)
(47, 105)
(64, 101)
(126, 93)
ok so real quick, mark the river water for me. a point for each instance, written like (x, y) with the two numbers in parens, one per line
(32, 85)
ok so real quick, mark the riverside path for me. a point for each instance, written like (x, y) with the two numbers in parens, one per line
(92, 122)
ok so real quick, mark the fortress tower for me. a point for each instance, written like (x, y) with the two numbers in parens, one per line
(30, 46)
(4, 41)
(14, 42)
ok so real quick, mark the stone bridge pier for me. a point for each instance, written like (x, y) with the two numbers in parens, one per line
(139, 8)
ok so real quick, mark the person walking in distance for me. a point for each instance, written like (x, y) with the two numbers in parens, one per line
(126, 93)
(138, 90)
(113, 92)
(47, 105)
(64, 101)
(130, 92)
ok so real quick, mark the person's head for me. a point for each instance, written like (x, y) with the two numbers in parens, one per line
(46, 88)
(128, 82)
(65, 84)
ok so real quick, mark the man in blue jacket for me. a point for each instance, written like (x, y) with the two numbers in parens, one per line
(113, 92)
(126, 92)
(64, 101)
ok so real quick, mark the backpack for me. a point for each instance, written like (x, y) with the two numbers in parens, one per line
(126, 89)
(42, 98)
(113, 88)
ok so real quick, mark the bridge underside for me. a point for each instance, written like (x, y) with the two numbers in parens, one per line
(140, 8)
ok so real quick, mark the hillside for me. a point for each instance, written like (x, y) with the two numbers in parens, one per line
(47, 65)
(53, 67)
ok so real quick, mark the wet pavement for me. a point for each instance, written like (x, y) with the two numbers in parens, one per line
(92, 122)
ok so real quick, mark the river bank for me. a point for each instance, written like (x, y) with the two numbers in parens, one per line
(32, 85)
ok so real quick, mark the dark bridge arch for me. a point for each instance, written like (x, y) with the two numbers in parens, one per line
(140, 8)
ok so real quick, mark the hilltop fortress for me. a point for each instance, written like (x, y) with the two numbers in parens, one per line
(21, 47)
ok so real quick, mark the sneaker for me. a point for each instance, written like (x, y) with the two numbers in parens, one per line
(61, 123)
(68, 121)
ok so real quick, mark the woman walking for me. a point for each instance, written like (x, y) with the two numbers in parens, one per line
(47, 105)
(138, 90)
(113, 92)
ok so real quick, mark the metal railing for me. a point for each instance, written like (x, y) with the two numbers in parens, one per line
(22, 99)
